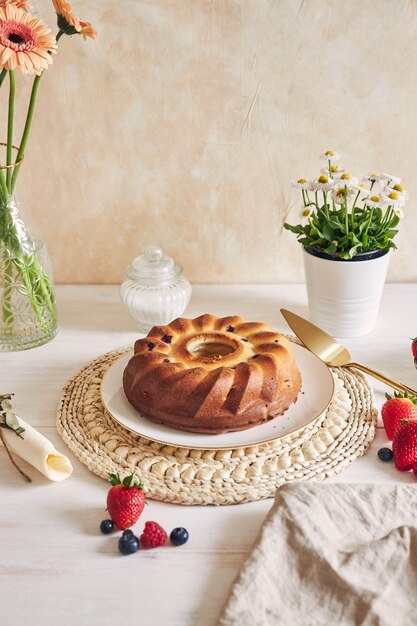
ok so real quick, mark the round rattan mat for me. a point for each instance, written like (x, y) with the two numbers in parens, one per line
(183, 476)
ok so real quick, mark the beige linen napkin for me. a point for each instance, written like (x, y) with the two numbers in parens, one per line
(38, 451)
(332, 555)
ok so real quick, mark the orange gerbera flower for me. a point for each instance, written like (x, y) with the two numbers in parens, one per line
(69, 23)
(19, 4)
(25, 41)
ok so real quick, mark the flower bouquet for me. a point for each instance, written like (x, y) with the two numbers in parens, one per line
(343, 217)
(347, 231)
(27, 300)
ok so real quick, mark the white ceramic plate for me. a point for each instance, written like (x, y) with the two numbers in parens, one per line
(315, 396)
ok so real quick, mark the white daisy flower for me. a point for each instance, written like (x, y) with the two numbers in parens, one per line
(329, 155)
(301, 183)
(399, 212)
(392, 180)
(347, 180)
(305, 212)
(322, 183)
(371, 178)
(400, 193)
(362, 189)
(394, 198)
(335, 171)
(341, 194)
(375, 201)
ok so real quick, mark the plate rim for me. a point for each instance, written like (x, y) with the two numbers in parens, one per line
(228, 447)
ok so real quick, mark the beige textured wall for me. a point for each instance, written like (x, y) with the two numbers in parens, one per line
(186, 121)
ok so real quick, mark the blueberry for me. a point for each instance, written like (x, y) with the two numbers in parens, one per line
(128, 544)
(179, 536)
(127, 532)
(385, 454)
(106, 526)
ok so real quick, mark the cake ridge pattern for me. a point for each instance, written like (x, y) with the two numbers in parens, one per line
(211, 374)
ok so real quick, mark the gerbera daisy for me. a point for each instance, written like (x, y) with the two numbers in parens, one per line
(69, 23)
(329, 155)
(25, 41)
(19, 4)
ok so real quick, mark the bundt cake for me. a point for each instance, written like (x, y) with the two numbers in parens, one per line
(212, 375)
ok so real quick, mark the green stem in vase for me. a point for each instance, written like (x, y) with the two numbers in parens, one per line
(7, 313)
(26, 130)
(10, 129)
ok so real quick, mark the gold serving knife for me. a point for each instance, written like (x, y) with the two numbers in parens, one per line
(332, 353)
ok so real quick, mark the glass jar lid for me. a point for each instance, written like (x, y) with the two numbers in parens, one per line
(153, 266)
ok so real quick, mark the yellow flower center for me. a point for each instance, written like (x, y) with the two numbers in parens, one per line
(345, 176)
(375, 198)
(323, 179)
(398, 188)
(334, 169)
(306, 212)
(394, 195)
(362, 186)
(329, 153)
(341, 192)
(373, 175)
(301, 181)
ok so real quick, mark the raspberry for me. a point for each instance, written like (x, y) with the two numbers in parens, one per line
(153, 536)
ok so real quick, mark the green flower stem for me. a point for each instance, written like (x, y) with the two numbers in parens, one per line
(26, 130)
(7, 314)
(353, 210)
(326, 208)
(10, 129)
(3, 75)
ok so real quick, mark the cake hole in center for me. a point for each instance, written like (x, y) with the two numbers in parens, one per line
(212, 349)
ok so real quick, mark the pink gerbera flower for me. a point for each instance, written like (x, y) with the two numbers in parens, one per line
(26, 42)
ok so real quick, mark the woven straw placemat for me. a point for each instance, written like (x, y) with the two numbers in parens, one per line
(184, 476)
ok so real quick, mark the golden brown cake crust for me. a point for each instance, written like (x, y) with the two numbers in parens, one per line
(211, 374)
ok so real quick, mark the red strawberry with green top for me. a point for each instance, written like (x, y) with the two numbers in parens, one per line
(404, 445)
(414, 350)
(396, 409)
(125, 500)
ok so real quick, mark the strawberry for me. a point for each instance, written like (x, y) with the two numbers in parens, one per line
(414, 350)
(396, 409)
(404, 445)
(125, 500)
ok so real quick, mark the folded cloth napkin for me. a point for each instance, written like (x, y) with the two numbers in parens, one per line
(38, 451)
(332, 554)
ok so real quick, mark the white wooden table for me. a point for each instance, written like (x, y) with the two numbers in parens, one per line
(55, 566)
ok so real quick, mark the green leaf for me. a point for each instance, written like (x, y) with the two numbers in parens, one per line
(11, 420)
(328, 232)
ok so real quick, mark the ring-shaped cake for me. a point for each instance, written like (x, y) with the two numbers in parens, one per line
(211, 374)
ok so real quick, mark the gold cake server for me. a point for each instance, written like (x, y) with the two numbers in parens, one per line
(331, 352)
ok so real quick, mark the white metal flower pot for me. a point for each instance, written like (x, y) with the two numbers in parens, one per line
(344, 296)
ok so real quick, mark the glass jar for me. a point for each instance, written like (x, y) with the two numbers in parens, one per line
(155, 291)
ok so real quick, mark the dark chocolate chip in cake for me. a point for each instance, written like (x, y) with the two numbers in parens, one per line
(246, 340)
(167, 338)
(230, 329)
(276, 340)
(151, 345)
(167, 361)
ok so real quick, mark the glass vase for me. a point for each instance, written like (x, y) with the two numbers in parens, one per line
(27, 298)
